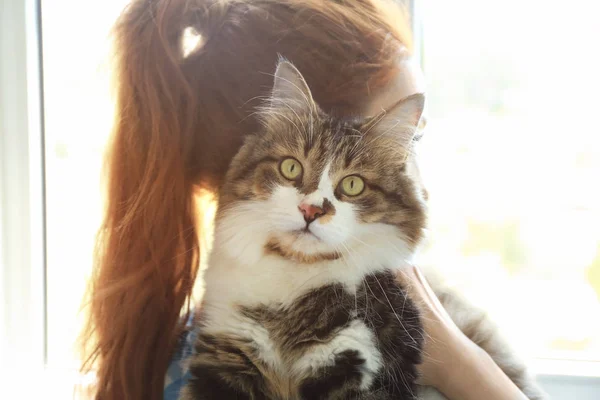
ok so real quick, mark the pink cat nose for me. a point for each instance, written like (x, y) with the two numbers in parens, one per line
(310, 212)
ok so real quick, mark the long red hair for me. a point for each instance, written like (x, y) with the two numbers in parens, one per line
(179, 121)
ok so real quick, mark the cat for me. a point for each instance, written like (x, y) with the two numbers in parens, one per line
(315, 218)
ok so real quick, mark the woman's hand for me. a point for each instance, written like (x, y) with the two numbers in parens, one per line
(452, 363)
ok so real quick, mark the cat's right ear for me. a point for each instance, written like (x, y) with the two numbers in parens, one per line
(290, 90)
(400, 123)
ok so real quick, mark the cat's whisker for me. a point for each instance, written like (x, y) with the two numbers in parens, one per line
(392, 309)
(405, 383)
(386, 238)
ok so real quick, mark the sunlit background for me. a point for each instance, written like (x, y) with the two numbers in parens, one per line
(512, 161)
(511, 158)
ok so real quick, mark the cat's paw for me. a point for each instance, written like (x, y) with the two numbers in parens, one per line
(345, 375)
(350, 360)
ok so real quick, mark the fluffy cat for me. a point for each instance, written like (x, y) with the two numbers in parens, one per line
(315, 217)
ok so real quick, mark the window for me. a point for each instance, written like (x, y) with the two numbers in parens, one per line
(78, 120)
(512, 162)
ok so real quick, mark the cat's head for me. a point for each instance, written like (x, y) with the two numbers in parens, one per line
(312, 188)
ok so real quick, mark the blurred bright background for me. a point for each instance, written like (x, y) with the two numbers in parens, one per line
(512, 161)
(511, 158)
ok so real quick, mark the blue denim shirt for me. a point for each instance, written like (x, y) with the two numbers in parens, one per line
(178, 371)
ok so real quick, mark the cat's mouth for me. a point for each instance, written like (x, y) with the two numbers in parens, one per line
(286, 250)
(306, 232)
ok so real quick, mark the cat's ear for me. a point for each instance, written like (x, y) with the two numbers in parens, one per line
(401, 121)
(290, 89)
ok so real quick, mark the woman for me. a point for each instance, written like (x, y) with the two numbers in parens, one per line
(181, 119)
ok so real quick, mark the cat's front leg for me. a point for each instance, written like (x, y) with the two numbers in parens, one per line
(221, 369)
(343, 368)
(208, 385)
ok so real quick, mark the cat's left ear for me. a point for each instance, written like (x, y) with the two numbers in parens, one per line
(290, 89)
(401, 121)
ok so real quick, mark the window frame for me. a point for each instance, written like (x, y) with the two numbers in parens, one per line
(22, 209)
(22, 240)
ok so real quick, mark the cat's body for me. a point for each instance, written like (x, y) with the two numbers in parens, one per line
(327, 344)
(315, 218)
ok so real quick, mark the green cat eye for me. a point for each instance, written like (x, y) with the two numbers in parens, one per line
(353, 185)
(290, 169)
